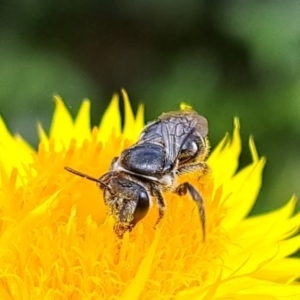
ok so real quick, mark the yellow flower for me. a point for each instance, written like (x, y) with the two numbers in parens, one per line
(56, 241)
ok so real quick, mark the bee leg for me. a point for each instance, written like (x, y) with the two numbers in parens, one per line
(182, 189)
(160, 202)
(200, 167)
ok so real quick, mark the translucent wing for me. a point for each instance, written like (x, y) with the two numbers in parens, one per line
(172, 129)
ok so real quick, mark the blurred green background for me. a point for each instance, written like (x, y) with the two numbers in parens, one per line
(226, 58)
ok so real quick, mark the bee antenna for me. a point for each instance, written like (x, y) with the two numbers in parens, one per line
(86, 176)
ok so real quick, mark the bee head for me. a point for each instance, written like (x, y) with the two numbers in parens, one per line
(127, 201)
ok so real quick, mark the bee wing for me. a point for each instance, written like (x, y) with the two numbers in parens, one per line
(172, 129)
(176, 127)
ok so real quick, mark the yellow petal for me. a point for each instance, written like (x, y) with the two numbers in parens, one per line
(83, 122)
(111, 120)
(274, 227)
(43, 210)
(129, 122)
(253, 150)
(270, 218)
(62, 127)
(14, 152)
(255, 289)
(139, 122)
(224, 159)
(281, 271)
(242, 192)
(288, 247)
(42, 135)
(136, 286)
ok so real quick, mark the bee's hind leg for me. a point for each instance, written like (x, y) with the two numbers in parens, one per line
(182, 189)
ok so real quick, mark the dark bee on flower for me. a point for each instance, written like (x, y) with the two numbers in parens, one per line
(174, 144)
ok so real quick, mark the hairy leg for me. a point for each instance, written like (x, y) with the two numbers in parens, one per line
(160, 202)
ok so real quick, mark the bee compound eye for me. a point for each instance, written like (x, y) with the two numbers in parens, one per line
(142, 206)
(189, 150)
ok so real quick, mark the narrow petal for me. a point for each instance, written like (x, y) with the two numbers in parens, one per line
(136, 286)
(288, 247)
(275, 226)
(256, 289)
(224, 159)
(245, 261)
(83, 122)
(281, 271)
(42, 135)
(242, 190)
(111, 120)
(24, 146)
(253, 150)
(43, 209)
(275, 216)
(252, 257)
(139, 121)
(129, 122)
(242, 288)
(4, 292)
(14, 152)
(62, 126)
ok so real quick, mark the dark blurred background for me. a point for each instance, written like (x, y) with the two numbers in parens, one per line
(226, 58)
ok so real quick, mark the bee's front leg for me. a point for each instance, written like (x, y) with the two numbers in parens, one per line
(156, 193)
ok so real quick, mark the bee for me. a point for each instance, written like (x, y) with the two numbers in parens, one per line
(175, 144)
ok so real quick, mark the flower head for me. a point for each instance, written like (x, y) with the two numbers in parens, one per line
(57, 242)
